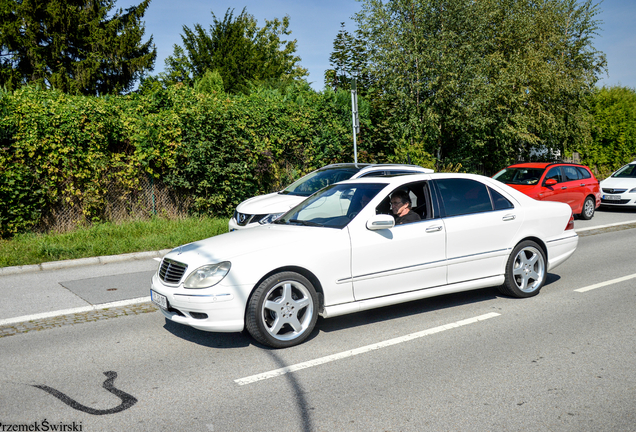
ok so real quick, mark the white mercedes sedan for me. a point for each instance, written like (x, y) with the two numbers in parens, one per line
(363, 244)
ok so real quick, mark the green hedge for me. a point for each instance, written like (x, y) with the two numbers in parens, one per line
(61, 150)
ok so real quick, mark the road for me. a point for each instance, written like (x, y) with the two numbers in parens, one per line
(564, 360)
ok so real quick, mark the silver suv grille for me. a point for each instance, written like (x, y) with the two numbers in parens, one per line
(243, 219)
(172, 271)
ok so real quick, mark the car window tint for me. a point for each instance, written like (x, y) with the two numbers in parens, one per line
(554, 173)
(499, 201)
(584, 174)
(463, 196)
(627, 171)
(374, 174)
(571, 173)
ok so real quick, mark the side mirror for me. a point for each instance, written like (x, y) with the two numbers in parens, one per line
(380, 221)
(550, 182)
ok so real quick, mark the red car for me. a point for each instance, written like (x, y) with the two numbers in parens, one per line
(564, 182)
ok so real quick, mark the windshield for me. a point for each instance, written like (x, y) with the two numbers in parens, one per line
(317, 180)
(333, 207)
(519, 176)
(628, 171)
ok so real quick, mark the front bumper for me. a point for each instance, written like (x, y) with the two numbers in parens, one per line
(625, 200)
(233, 225)
(216, 309)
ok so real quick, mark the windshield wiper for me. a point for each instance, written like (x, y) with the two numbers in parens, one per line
(305, 222)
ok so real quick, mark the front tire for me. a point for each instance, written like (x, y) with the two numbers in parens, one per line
(525, 271)
(282, 311)
(588, 208)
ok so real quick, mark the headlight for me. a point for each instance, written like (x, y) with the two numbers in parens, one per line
(208, 275)
(270, 218)
(632, 190)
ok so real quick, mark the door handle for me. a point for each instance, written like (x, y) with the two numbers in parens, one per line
(582, 185)
(433, 229)
(564, 187)
(508, 217)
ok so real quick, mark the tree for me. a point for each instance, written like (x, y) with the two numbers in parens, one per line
(347, 60)
(238, 50)
(614, 129)
(483, 82)
(73, 46)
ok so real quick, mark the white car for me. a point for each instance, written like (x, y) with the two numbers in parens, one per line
(265, 209)
(333, 255)
(619, 190)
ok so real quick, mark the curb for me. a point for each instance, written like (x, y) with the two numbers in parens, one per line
(56, 265)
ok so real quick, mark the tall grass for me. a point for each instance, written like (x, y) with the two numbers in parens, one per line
(107, 239)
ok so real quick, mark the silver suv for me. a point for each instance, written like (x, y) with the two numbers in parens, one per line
(264, 209)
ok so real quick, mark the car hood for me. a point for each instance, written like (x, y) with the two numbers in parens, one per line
(228, 246)
(618, 183)
(270, 203)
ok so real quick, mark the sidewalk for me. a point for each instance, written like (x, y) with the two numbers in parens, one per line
(54, 289)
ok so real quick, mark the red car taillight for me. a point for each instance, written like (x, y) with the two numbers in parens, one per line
(570, 225)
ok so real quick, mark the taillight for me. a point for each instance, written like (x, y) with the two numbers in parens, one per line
(570, 225)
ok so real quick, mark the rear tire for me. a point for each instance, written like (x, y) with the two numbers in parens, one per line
(526, 271)
(588, 208)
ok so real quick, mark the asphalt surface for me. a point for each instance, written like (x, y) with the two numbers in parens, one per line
(51, 294)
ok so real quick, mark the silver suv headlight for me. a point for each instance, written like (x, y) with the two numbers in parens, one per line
(208, 275)
(270, 218)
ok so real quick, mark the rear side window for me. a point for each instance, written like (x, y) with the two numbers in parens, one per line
(463, 196)
(585, 174)
(499, 201)
(571, 173)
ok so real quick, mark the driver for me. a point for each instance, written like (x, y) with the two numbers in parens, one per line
(401, 208)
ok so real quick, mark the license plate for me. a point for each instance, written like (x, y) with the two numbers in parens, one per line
(159, 300)
(612, 197)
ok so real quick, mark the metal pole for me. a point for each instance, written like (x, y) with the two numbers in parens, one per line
(354, 113)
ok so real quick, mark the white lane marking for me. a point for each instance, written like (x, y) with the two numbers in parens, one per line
(82, 309)
(604, 226)
(157, 259)
(606, 283)
(362, 350)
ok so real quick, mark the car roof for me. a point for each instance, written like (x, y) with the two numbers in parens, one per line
(542, 164)
(364, 167)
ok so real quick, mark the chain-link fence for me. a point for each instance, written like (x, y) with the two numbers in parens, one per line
(149, 199)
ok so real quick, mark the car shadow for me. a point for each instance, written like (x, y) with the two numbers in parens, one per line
(208, 339)
(358, 319)
(415, 307)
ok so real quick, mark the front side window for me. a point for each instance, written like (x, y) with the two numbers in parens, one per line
(554, 173)
(408, 203)
(463, 196)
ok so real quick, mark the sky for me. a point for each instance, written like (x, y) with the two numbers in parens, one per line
(315, 24)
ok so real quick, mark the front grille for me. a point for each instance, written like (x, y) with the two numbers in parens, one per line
(171, 271)
(614, 191)
(605, 201)
(243, 219)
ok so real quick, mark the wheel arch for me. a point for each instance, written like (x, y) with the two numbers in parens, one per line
(538, 241)
(296, 269)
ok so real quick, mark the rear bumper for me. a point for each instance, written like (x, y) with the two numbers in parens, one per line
(561, 249)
